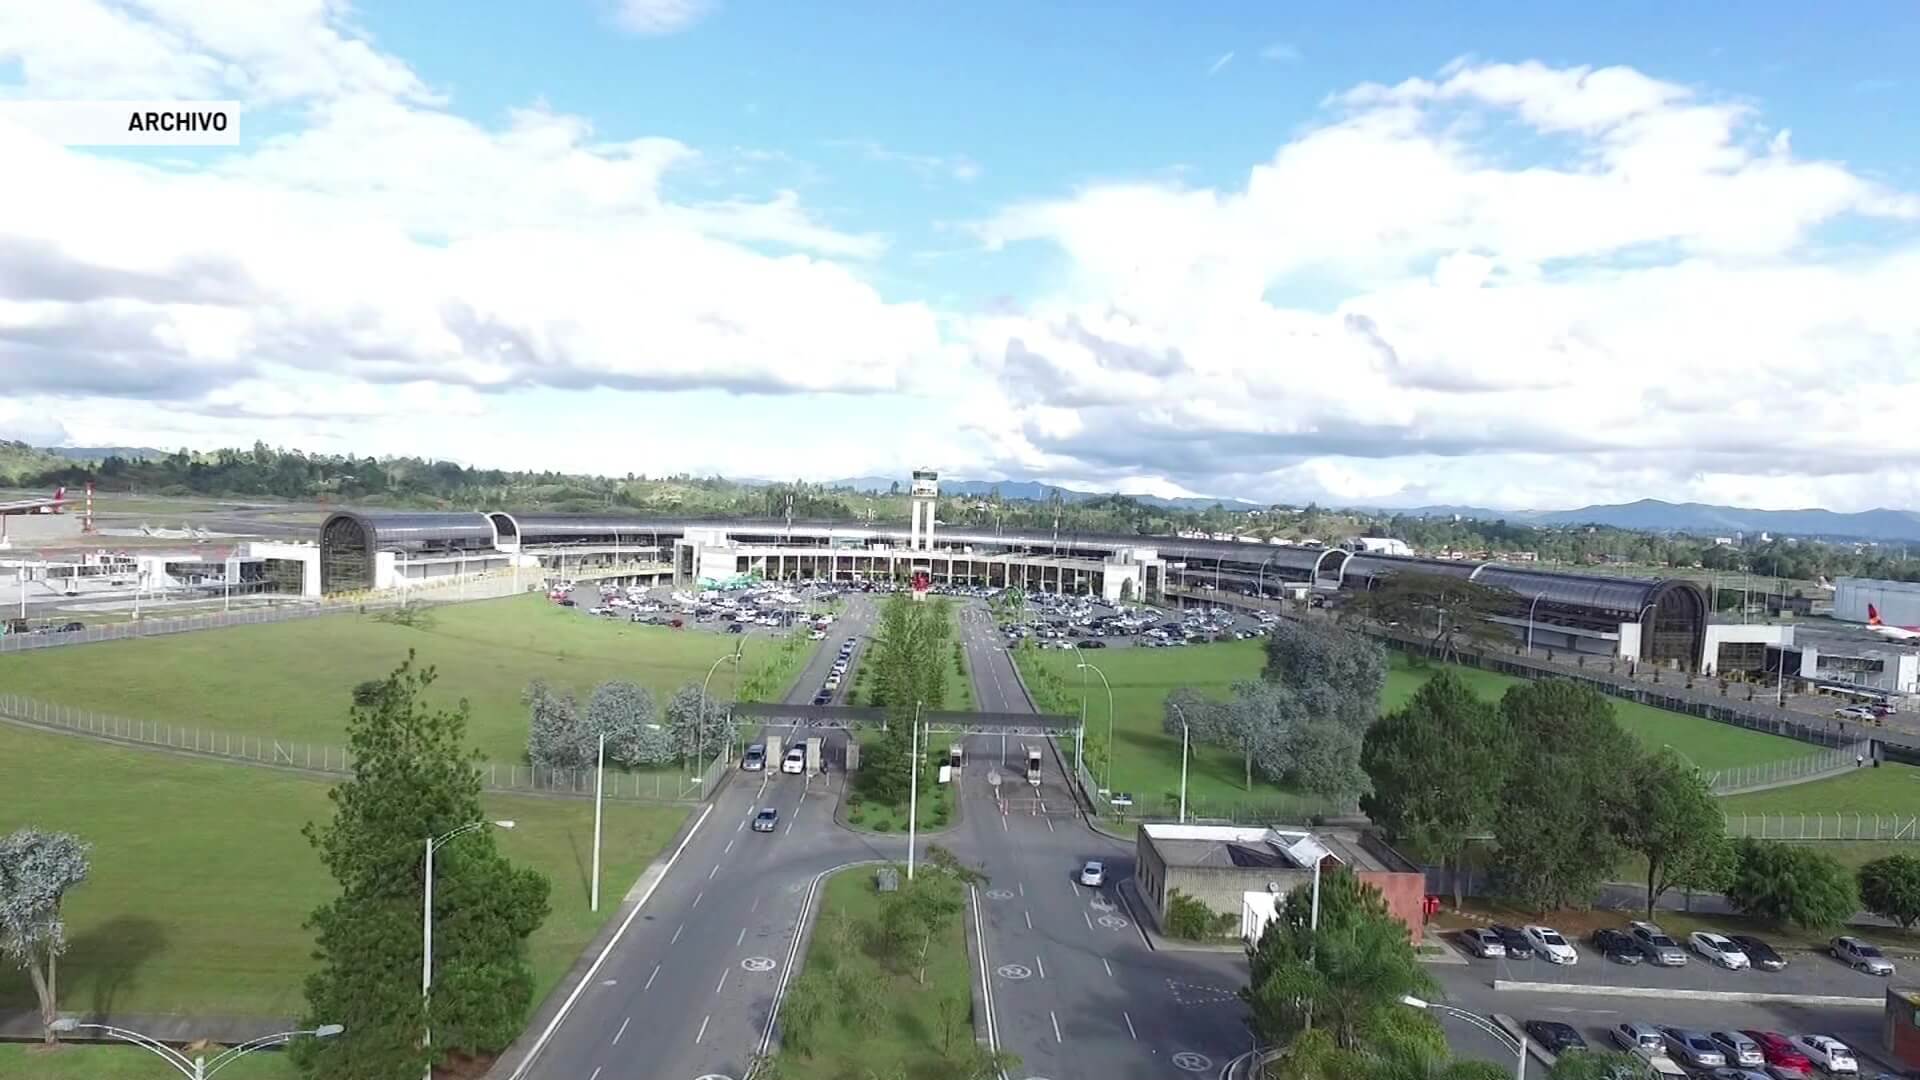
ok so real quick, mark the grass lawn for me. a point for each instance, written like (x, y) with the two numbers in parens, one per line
(201, 878)
(77, 1061)
(1147, 762)
(1891, 790)
(906, 1041)
(935, 811)
(293, 680)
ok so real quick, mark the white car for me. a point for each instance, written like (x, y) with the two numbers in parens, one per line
(1094, 874)
(795, 761)
(1550, 946)
(1711, 946)
(1829, 1053)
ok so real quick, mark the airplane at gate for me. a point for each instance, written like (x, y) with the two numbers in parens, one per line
(55, 504)
(1898, 633)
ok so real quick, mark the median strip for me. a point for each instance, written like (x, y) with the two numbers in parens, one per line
(1753, 996)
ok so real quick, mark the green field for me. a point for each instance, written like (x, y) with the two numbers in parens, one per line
(201, 878)
(74, 1061)
(292, 680)
(906, 1039)
(1147, 761)
(1890, 790)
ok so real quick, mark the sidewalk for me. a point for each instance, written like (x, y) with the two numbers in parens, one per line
(23, 1025)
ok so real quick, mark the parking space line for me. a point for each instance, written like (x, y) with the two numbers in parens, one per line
(622, 1031)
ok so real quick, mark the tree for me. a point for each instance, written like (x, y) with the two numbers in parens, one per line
(1441, 607)
(1789, 884)
(1320, 757)
(1429, 807)
(808, 998)
(696, 729)
(1255, 723)
(916, 912)
(557, 736)
(414, 778)
(1675, 823)
(1890, 888)
(625, 713)
(36, 870)
(1595, 1065)
(1334, 674)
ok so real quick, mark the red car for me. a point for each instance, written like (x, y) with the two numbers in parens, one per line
(1779, 1052)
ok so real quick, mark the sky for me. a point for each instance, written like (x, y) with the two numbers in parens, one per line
(1519, 256)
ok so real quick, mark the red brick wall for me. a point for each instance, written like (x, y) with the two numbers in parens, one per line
(1404, 893)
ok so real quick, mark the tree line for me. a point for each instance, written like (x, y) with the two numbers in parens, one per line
(906, 673)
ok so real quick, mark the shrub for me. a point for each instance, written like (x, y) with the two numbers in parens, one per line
(1784, 883)
(856, 815)
(883, 825)
(1187, 917)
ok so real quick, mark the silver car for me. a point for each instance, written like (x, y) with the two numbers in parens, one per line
(1860, 956)
(1659, 948)
(1693, 1048)
(1739, 1049)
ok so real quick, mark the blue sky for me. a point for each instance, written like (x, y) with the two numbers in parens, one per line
(1524, 255)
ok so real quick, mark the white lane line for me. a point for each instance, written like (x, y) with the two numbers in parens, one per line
(1056, 1025)
(596, 1073)
(1029, 917)
(712, 872)
(1109, 967)
(1022, 887)
(742, 825)
(1042, 965)
(1130, 1031)
(650, 978)
(986, 983)
(566, 1006)
(703, 1028)
(741, 938)
(1089, 919)
(1049, 824)
(676, 934)
(702, 895)
(622, 1031)
(722, 982)
(730, 844)
(755, 907)
(1003, 822)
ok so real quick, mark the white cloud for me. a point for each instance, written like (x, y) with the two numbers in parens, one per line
(1281, 52)
(659, 16)
(945, 166)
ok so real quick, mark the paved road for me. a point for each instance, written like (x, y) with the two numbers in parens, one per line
(995, 686)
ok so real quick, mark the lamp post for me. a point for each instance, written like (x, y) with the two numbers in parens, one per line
(913, 785)
(700, 738)
(198, 1068)
(426, 928)
(1080, 733)
(1530, 610)
(1109, 686)
(599, 778)
(1260, 578)
(1517, 1046)
(1182, 713)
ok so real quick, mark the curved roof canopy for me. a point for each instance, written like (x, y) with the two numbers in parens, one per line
(415, 528)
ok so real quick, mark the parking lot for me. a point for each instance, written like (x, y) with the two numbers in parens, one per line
(1053, 621)
(761, 609)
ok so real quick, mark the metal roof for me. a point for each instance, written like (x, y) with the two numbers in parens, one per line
(405, 528)
(550, 528)
(1626, 596)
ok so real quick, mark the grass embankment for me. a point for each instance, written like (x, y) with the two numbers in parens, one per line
(911, 1036)
(201, 878)
(80, 1061)
(1147, 760)
(292, 681)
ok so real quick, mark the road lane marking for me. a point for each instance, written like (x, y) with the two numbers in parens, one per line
(566, 1006)
(1023, 887)
(676, 934)
(596, 1073)
(622, 1031)
(986, 984)
(1056, 1025)
(1129, 1020)
(1109, 967)
(1029, 918)
(742, 825)
(1089, 919)
(703, 1028)
(722, 982)
(702, 895)
(741, 938)
(650, 978)
(1041, 964)
(712, 872)
(730, 844)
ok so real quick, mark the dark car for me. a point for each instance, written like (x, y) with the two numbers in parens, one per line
(1759, 953)
(1517, 945)
(72, 627)
(1553, 1036)
(736, 628)
(766, 819)
(1616, 946)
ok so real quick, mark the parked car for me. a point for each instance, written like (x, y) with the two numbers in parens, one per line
(1717, 948)
(1615, 945)
(1741, 1051)
(765, 820)
(1553, 1036)
(1759, 953)
(1829, 1053)
(1547, 942)
(1860, 956)
(1734, 1072)
(1780, 1053)
(1483, 943)
(1094, 874)
(755, 759)
(736, 628)
(1656, 945)
(1514, 941)
(1636, 1036)
(1693, 1048)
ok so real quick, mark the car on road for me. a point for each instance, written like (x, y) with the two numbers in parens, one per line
(1631, 1035)
(1553, 1036)
(755, 759)
(765, 820)
(824, 697)
(1483, 943)
(1515, 942)
(1548, 943)
(795, 761)
(1656, 946)
(1094, 874)
(1854, 712)
(1615, 945)
(1693, 1049)
(1759, 953)
(1719, 949)
(1832, 1055)
(1779, 1052)
(1859, 955)
(1741, 1051)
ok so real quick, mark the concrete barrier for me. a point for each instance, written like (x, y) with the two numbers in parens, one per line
(1756, 997)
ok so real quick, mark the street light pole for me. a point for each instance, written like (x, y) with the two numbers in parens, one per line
(1182, 713)
(599, 778)
(426, 931)
(1530, 609)
(198, 1068)
(1499, 1034)
(913, 786)
(1109, 686)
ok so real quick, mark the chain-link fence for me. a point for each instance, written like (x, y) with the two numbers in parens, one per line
(1838, 826)
(666, 783)
(1790, 771)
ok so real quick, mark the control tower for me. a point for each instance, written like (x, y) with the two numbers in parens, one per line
(926, 495)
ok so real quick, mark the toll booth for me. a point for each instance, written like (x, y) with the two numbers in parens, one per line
(1900, 1030)
(813, 754)
(1033, 767)
(774, 751)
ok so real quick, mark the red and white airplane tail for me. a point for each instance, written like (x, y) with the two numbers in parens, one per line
(1875, 624)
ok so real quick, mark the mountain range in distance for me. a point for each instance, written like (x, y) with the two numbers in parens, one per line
(1035, 491)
